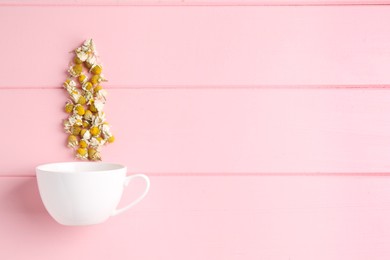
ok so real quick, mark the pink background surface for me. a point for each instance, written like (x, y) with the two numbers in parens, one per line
(265, 129)
(199, 46)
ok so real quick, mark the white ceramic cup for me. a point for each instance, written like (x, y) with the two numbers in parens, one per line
(84, 193)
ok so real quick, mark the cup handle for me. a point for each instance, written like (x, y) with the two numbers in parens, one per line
(127, 181)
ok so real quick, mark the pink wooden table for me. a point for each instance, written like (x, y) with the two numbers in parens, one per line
(264, 126)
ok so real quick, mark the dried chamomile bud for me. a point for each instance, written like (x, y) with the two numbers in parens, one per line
(98, 88)
(82, 153)
(79, 109)
(83, 143)
(67, 81)
(76, 130)
(75, 70)
(82, 132)
(85, 123)
(77, 60)
(101, 95)
(92, 107)
(106, 131)
(88, 64)
(67, 126)
(81, 100)
(99, 118)
(95, 131)
(87, 86)
(69, 107)
(75, 119)
(75, 95)
(94, 142)
(111, 139)
(88, 97)
(72, 141)
(93, 154)
(81, 55)
(88, 115)
(86, 50)
(86, 135)
(82, 78)
(69, 84)
(79, 122)
(91, 61)
(99, 105)
(97, 70)
(88, 46)
(95, 79)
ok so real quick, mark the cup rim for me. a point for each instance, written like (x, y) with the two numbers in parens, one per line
(47, 167)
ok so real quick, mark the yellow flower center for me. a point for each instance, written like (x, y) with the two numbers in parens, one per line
(95, 131)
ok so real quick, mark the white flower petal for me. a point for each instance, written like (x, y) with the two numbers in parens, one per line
(99, 105)
(87, 135)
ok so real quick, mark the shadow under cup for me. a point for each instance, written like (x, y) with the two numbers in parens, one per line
(84, 193)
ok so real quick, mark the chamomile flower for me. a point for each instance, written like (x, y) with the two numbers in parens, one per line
(76, 130)
(111, 139)
(79, 109)
(95, 131)
(88, 115)
(81, 100)
(94, 154)
(87, 86)
(82, 153)
(95, 79)
(97, 70)
(72, 141)
(83, 143)
(69, 107)
(82, 78)
(75, 70)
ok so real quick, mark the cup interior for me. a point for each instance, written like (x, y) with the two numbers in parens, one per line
(77, 167)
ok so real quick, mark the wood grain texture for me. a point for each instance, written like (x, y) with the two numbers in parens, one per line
(199, 46)
(273, 218)
(206, 131)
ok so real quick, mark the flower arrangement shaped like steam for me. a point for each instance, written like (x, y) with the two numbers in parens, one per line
(86, 125)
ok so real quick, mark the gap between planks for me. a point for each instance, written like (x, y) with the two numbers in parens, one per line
(183, 3)
(213, 87)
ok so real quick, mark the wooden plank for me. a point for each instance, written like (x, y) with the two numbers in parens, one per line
(203, 46)
(193, 2)
(212, 218)
(208, 131)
